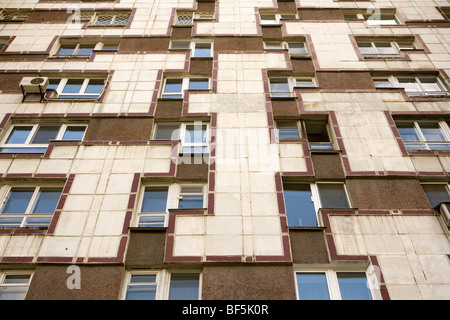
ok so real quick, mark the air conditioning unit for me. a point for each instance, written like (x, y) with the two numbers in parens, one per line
(34, 85)
(444, 209)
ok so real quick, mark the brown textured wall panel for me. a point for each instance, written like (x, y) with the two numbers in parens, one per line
(201, 66)
(38, 16)
(302, 66)
(238, 44)
(193, 170)
(328, 166)
(169, 109)
(11, 81)
(272, 32)
(146, 248)
(308, 246)
(97, 282)
(285, 108)
(386, 194)
(314, 14)
(119, 129)
(206, 6)
(248, 283)
(345, 80)
(144, 44)
(181, 32)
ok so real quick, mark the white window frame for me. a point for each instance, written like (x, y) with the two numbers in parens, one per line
(4, 274)
(284, 45)
(184, 87)
(166, 124)
(195, 15)
(173, 197)
(297, 124)
(377, 54)
(28, 212)
(62, 84)
(442, 125)
(97, 46)
(95, 16)
(291, 85)
(163, 278)
(31, 135)
(311, 79)
(315, 196)
(393, 80)
(191, 45)
(202, 145)
(278, 17)
(332, 280)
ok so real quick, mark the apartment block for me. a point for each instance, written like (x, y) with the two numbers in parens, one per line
(224, 150)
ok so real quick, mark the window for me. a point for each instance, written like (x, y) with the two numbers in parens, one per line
(156, 200)
(29, 206)
(14, 15)
(14, 285)
(280, 87)
(174, 88)
(414, 86)
(374, 17)
(3, 42)
(76, 49)
(378, 49)
(198, 49)
(186, 18)
(275, 18)
(110, 19)
(35, 138)
(295, 48)
(305, 82)
(162, 285)
(194, 137)
(303, 200)
(436, 193)
(288, 129)
(191, 197)
(77, 88)
(154, 209)
(424, 135)
(332, 285)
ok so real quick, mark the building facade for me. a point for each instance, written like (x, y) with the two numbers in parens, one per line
(224, 150)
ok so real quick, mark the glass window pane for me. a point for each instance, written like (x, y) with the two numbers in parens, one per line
(195, 134)
(382, 83)
(74, 133)
(432, 132)
(385, 48)
(366, 48)
(147, 292)
(184, 286)
(297, 48)
(37, 222)
(173, 88)
(407, 132)
(436, 193)
(430, 85)
(167, 132)
(121, 20)
(279, 85)
(143, 278)
(13, 293)
(191, 202)
(152, 221)
(53, 84)
(287, 130)
(198, 84)
(85, 49)
(95, 86)
(44, 134)
(47, 200)
(202, 50)
(66, 50)
(409, 84)
(305, 83)
(268, 19)
(180, 45)
(299, 205)
(18, 200)
(73, 86)
(312, 286)
(332, 196)
(155, 199)
(19, 135)
(17, 279)
(10, 222)
(353, 286)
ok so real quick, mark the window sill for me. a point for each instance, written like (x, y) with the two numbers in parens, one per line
(306, 228)
(292, 98)
(143, 229)
(202, 58)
